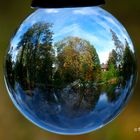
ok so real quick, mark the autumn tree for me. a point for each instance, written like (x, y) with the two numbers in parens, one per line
(77, 59)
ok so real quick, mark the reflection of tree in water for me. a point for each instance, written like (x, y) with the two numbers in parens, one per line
(68, 73)
(78, 69)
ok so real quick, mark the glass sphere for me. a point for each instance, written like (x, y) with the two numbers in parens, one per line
(70, 71)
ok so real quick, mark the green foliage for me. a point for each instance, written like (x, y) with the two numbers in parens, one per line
(35, 56)
(129, 64)
(118, 52)
(112, 59)
(112, 73)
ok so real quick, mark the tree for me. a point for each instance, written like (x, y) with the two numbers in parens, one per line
(9, 70)
(129, 64)
(77, 72)
(119, 49)
(112, 59)
(77, 59)
(35, 56)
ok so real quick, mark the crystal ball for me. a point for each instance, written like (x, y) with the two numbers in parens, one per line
(70, 70)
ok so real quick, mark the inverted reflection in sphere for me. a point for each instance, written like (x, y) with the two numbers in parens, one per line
(70, 71)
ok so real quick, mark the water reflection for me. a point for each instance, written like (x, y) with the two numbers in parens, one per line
(65, 82)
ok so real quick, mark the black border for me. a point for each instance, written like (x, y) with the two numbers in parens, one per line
(65, 3)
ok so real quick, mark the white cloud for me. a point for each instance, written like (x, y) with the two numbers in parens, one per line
(86, 11)
(51, 10)
(75, 30)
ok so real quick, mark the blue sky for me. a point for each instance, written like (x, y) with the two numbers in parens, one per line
(92, 24)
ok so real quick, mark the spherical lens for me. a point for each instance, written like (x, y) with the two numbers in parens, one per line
(70, 70)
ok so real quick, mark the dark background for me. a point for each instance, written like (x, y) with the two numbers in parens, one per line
(13, 126)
